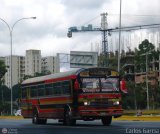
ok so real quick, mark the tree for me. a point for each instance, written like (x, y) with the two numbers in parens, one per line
(145, 57)
(137, 95)
(3, 70)
(145, 46)
(4, 91)
(5, 95)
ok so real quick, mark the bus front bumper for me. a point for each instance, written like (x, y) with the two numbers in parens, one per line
(101, 113)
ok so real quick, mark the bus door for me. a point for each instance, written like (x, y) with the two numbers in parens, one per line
(25, 104)
(28, 103)
(75, 93)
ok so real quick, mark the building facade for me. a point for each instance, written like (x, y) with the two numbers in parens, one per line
(48, 65)
(32, 62)
(18, 70)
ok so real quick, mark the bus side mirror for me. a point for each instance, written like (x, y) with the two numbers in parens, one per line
(76, 85)
(123, 87)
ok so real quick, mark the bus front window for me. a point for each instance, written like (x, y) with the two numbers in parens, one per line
(109, 85)
(95, 85)
(90, 85)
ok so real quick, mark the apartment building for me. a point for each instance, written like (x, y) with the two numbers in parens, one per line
(2, 59)
(29, 65)
(48, 65)
(32, 62)
(18, 69)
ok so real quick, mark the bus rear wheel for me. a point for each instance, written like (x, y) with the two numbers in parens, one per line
(106, 121)
(68, 120)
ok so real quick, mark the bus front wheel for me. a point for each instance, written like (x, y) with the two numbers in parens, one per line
(68, 120)
(36, 120)
(106, 120)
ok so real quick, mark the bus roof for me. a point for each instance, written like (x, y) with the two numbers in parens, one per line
(78, 71)
(51, 76)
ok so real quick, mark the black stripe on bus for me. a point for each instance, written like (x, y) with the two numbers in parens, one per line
(47, 106)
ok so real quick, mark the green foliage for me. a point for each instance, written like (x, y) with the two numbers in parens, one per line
(37, 74)
(4, 108)
(16, 92)
(26, 77)
(145, 46)
(111, 60)
(3, 70)
(5, 97)
(137, 96)
(5, 92)
(146, 49)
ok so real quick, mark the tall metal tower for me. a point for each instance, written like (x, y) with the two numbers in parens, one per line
(104, 27)
(105, 33)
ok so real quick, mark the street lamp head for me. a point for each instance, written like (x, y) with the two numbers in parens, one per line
(33, 17)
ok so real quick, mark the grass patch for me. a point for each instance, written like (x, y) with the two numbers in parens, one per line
(12, 117)
(144, 112)
(138, 118)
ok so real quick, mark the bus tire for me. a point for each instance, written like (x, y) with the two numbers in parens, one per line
(35, 119)
(42, 121)
(68, 120)
(106, 121)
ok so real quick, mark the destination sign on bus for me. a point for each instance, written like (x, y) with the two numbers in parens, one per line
(98, 72)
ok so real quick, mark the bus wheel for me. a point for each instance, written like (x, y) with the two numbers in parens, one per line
(42, 121)
(35, 119)
(106, 120)
(68, 118)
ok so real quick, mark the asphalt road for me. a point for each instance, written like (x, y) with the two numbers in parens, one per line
(91, 127)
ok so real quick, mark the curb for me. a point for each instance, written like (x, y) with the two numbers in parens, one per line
(122, 118)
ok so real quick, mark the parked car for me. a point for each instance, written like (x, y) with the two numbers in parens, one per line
(18, 113)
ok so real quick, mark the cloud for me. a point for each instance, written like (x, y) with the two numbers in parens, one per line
(49, 31)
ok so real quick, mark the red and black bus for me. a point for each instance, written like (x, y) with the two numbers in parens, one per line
(81, 94)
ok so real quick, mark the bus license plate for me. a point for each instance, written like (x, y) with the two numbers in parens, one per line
(103, 114)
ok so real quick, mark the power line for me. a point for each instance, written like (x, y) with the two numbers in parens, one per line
(136, 15)
(91, 20)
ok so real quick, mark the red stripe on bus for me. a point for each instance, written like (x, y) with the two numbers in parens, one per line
(48, 99)
(61, 79)
(99, 95)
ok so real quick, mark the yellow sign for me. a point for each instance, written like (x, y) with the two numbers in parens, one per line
(114, 73)
(84, 74)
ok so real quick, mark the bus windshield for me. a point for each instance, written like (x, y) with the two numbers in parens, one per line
(91, 85)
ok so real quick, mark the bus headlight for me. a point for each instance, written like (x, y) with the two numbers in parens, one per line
(86, 103)
(116, 103)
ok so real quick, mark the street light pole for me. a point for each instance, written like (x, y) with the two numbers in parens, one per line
(147, 80)
(11, 33)
(119, 47)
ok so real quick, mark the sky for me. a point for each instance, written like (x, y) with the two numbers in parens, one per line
(48, 32)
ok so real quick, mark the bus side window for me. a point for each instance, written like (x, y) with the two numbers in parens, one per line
(66, 87)
(41, 90)
(24, 93)
(49, 89)
(57, 88)
(33, 91)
